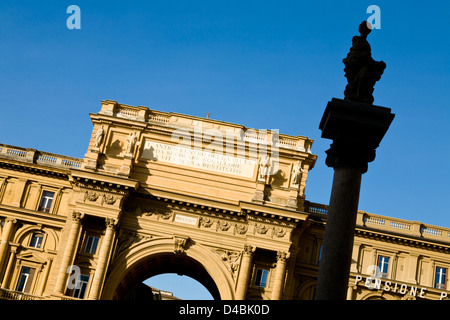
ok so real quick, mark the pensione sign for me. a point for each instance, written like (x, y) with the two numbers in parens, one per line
(376, 283)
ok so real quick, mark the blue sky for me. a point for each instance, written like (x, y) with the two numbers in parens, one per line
(263, 64)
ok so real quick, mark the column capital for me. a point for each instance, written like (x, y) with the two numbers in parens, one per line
(110, 223)
(77, 216)
(248, 249)
(12, 220)
(283, 256)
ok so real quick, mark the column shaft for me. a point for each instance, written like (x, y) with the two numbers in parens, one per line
(280, 274)
(104, 253)
(332, 283)
(4, 242)
(68, 252)
(244, 273)
(9, 268)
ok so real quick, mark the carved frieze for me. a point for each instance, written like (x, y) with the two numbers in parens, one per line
(159, 212)
(261, 228)
(279, 232)
(109, 199)
(223, 225)
(241, 228)
(91, 196)
(206, 222)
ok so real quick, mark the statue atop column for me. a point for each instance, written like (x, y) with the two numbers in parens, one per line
(360, 69)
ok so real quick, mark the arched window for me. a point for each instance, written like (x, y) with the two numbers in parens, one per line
(37, 240)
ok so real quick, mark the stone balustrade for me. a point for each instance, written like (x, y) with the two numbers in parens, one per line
(43, 158)
(144, 114)
(391, 225)
(17, 295)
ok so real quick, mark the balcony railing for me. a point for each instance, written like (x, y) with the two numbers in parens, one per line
(39, 157)
(17, 295)
(387, 224)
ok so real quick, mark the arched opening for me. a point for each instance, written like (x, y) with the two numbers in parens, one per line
(160, 256)
(130, 287)
(171, 286)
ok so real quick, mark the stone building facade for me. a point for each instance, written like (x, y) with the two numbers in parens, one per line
(224, 204)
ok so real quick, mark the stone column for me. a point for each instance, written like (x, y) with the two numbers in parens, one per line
(280, 274)
(356, 130)
(9, 268)
(69, 252)
(105, 250)
(4, 241)
(244, 273)
(334, 267)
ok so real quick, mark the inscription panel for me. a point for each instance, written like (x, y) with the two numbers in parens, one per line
(185, 219)
(200, 159)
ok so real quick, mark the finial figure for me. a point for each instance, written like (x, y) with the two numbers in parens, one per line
(296, 172)
(99, 137)
(131, 142)
(360, 69)
(264, 164)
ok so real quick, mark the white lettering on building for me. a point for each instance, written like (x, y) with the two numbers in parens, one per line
(185, 219)
(199, 159)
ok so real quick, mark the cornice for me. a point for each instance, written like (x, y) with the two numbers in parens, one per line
(90, 179)
(33, 168)
(22, 214)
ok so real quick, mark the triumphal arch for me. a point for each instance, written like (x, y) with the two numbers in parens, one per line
(156, 193)
(212, 200)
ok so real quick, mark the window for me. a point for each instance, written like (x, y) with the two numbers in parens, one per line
(80, 286)
(46, 201)
(91, 245)
(383, 264)
(261, 277)
(320, 254)
(25, 279)
(440, 279)
(36, 240)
